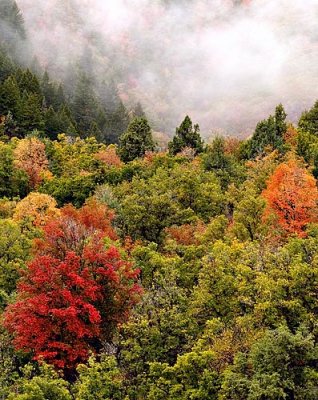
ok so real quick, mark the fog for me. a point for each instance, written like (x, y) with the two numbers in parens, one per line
(225, 63)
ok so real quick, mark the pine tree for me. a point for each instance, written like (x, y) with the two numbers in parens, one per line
(138, 111)
(309, 120)
(29, 114)
(85, 105)
(6, 66)
(9, 96)
(136, 140)
(269, 134)
(53, 93)
(186, 136)
(57, 122)
(11, 15)
(28, 82)
(116, 123)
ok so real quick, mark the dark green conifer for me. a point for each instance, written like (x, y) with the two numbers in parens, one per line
(136, 140)
(186, 135)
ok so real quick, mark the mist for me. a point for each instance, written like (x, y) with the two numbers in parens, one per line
(227, 64)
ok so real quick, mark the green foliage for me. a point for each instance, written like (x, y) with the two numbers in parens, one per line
(308, 121)
(14, 252)
(13, 182)
(136, 140)
(46, 385)
(269, 134)
(100, 380)
(167, 198)
(224, 165)
(186, 136)
(307, 147)
(279, 366)
(9, 96)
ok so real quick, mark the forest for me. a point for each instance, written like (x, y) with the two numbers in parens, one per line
(131, 270)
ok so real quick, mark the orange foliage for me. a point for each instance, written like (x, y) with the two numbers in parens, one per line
(30, 157)
(109, 156)
(38, 207)
(231, 145)
(186, 234)
(292, 196)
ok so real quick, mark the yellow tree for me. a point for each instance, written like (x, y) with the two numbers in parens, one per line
(38, 207)
(30, 156)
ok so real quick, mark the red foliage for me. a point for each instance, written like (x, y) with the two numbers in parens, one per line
(292, 195)
(75, 292)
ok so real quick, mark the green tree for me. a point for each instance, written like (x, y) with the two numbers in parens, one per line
(308, 121)
(84, 105)
(44, 385)
(269, 134)
(9, 96)
(136, 140)
(13, 182)
(186, 136)
(281, 365)
(29, 115)
(14, 252)
(100, 380)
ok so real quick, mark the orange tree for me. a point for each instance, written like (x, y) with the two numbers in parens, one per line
(292, 195)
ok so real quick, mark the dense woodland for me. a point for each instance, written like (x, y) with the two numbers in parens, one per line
(132, 272)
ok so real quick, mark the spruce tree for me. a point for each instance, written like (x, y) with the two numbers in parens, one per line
(309, 120)
(7, 67)
(85, 105)
(9, 96)
(136, 140)
(29, 114)
(11, 24)
(269, 133)
(186, 135)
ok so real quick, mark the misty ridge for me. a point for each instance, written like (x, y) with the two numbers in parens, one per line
(224, 63)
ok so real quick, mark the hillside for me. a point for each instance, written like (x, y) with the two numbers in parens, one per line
(136, 265)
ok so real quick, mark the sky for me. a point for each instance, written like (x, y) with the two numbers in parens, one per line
(225, 63)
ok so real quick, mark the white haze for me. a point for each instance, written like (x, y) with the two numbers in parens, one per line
(224, 64)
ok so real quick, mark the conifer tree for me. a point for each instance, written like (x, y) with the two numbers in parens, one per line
(309, 120)
(136, 140)
(85, 106)
(116, 123)
(9, 96)
(13, 26)
(186, 135)
(269, 133)
(29, 115)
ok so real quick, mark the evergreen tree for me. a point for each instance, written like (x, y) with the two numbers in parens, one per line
(136, 140)
(28, 82)
(186, 136)
(9, 96)
(6, 65)
(29, 115)
(12, 23)
(116, 123)
(53, 94)
(138, 111)
(85, 106)
(57, 122)
(309, 120)
(269, 133)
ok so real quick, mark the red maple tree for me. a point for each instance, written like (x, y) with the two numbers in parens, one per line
(292, 195)
(75, 292)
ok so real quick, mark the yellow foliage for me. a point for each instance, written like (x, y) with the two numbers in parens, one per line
(38, 207)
